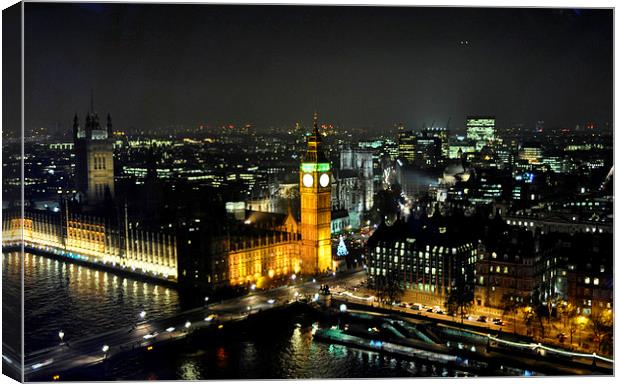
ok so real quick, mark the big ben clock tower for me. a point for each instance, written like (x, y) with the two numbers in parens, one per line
(315, 191)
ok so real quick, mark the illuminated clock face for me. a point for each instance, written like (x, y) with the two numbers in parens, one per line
(308, 180)
(324, 180)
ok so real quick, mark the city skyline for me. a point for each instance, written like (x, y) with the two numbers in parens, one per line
(271, 65)
(306, 192)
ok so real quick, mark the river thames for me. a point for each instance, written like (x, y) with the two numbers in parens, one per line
(82, 301)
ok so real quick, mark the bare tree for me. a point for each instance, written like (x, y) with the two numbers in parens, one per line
(388, 288)
(601, 326)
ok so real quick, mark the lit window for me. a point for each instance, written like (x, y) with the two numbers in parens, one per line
(587, 280)
(595, 282)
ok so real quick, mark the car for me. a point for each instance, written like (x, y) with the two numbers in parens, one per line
(501, 323)
(439, 312)
(417, 306)
(403, 305)
(561, 337)
(150, 336)
(211, 317)
(482, 319)
(495, 320)
(429, 310)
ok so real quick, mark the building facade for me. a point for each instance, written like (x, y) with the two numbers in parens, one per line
(427, 256)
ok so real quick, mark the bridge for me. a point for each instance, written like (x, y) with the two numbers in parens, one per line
(49, 363)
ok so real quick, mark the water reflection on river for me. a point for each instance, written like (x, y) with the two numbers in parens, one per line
(83, 301)
(80, 300)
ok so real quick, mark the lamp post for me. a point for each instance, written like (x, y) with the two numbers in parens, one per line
(105, 350)
(61, 335)
(142, 315)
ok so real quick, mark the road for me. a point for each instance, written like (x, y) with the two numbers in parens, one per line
(49, 363)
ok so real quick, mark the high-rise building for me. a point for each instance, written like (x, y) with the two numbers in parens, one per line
(94, 155)
(406, 146)
(315, 190)
(481, 129)
(531, 152)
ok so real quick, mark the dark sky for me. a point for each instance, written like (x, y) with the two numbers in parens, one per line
(156, 65)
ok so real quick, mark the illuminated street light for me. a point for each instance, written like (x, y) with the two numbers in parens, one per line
(142, 315)
(343, 307)
(61, 334)
(206, 298)
(188, 324)
(293, 276)
(105, 350)
(253, 287)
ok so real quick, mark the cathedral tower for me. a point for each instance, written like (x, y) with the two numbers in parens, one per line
(315, 191)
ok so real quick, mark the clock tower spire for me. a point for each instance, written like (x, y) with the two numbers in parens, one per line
(315, 191)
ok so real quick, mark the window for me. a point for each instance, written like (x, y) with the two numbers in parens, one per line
(587, 280)
(595, 282)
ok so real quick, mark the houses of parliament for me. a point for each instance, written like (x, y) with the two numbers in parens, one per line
(93, 226)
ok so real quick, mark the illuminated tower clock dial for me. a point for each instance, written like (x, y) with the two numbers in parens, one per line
(308, 180)
(324, 180)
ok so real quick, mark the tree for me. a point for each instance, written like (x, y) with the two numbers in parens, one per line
(460, 299)
(511, 303)
(571, 322)
(552, 302)
(539, 311)
(601, 326)
(342, 248)
(388, 287)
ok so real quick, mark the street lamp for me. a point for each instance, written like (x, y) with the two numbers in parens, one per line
(105, 350)
(293, 276)
(142, 315)
(206, 298)
(343, 307)
(61, 335)
(187, 324)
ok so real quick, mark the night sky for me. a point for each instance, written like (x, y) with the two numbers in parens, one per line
(158, 65)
